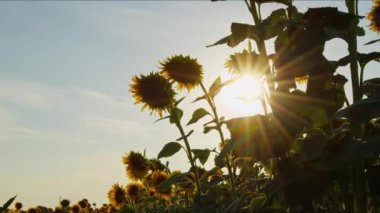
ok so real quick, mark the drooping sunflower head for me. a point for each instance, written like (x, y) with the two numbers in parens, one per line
(183, 70)
(65, 203)
(137, 165)
(374, 17)
(75, 208)
(156, 178)
(154, 91)
(18, 206)
(83, 203)
(246, 63)
(116, 195)
(134, 191)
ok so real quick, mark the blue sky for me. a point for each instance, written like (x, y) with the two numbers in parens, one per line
(66, 116)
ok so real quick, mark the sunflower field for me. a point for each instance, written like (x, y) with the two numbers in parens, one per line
(312, 150)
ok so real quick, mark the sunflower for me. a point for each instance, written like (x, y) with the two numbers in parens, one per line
(75, 208)
(133, 191)
(183, 70)
(32, 210)
(246, 63)
(156, 179)
(374, 17)
(137, 165)
(116, 195)
(83, 203)
(154, 91)
(18, 206)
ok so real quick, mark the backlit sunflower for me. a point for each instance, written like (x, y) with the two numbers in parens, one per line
(246, 63)
(154, 91)
(137, 165)
(374, 17)
(116, 195)
(156, 179)
(134, 190)
(183, 70)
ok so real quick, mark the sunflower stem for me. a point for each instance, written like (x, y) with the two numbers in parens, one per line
(352, 48)
(188, 149)
(261, 44)
(219, 129)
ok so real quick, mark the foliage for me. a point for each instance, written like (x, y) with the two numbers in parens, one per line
(312, 151)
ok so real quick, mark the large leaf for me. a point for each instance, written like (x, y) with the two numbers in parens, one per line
(239, 32)
(273, 25)
(256, 203)
(316, 114)
(169, 149)
(215, 87)
(198, 114)
(176, 115)
(8, 203)
(201, 154)
(165, 185)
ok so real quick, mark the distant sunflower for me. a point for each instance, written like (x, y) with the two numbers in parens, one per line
(83, 203)
(133, 191)
(18, 206)
(154, 91)
(374, 17)
(75, 208)
(156, 179)
(246, 63)
(137, 165)
(32, 210)
(183, 70)
(116, 195)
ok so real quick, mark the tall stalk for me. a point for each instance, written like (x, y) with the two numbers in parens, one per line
(223, 141)
(352, 6)
(177, 122)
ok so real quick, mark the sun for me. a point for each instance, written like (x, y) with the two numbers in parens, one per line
(241, 98)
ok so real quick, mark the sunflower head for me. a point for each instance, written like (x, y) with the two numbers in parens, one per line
(374, 17)
(32, 210)
(246, 63)
(137, 165)
(83, 203)
(154, 91)
(134, 191)
(75, 208)
(18, 206)
(116, 195)
(156, 178)
(183, 70)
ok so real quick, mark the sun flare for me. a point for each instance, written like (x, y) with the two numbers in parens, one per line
(241, 98)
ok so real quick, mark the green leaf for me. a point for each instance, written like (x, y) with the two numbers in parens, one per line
(169, 149)
(199, 98)
(165, 185)
(239, 32)
(207, 129)
(273, 25)
(373, 41)
(201, 154)
(8, 203)
(256, 203)
(198, 114)
(176, 115)
(179, 101)
(166, 117)
(215, 87)
(316, 114)
(187, 135)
